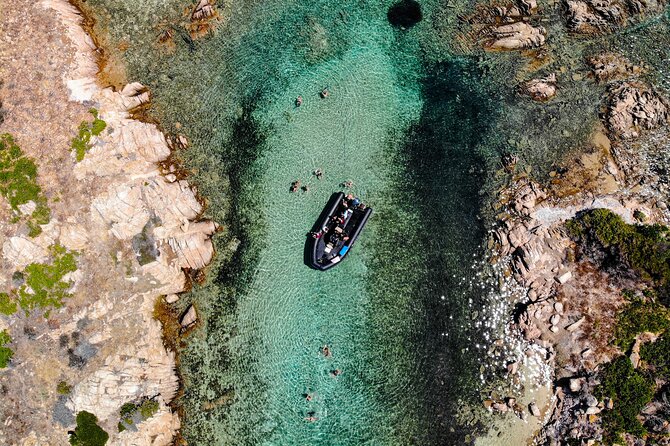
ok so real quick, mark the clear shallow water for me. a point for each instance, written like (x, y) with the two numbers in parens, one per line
(417, 130)
(397, 322)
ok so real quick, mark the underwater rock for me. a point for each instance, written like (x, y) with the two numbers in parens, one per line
(534, 410)
(202, 10)
(540, 89)
(611, 66)
(633, 107)
(405, 14)
(605, 16)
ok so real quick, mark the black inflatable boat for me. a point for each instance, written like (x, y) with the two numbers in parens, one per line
(335, 231)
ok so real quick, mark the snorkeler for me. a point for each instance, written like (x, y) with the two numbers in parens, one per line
(324, 93)
(298, 101)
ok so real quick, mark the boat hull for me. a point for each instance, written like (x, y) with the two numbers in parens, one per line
(326, 251)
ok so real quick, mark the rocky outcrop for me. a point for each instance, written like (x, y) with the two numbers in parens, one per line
(540, 89)
(516, 36)
(599, 17)
(633, 107)
(504, 27)
(132, 230)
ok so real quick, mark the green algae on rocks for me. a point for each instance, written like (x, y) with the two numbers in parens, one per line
(42, 285)
(6, 353)
(82, 142)
(18, 184)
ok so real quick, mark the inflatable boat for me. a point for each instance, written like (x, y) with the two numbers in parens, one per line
(335, 231)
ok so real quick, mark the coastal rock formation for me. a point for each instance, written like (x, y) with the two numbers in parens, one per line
(128, 231)
(598, 17)
(540, 89)
(633, 107)
(505, 27)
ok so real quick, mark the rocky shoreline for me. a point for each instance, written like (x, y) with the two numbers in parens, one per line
(573, 304)
(127, 226)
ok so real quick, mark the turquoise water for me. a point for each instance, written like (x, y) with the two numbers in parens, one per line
(418, 127)
(406, 133)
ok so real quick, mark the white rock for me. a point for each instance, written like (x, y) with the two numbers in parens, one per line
(563, 276)
(534, 410)
(575, 325)
(171, 298)
(189, 318)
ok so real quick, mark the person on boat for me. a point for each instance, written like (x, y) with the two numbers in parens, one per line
(324, 93)
(298, 101)
(326, 351)
(356, 202)
(316, 234)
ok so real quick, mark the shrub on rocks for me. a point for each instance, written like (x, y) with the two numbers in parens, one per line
(87, 432)
(642, 247)
(630, 391)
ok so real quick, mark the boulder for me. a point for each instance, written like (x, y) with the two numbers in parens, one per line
(575, 384)
(633, 107)
(516, 36)
(540, 90)
(534, 410)
(575, 325)
(189, 317)
(563, 276)
(203, 10)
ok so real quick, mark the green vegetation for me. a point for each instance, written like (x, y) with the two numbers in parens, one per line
(18, 184)
(7, 304)
(87, 432)
(630, 391)
(131, 413)
(657, 355)
(44, 285)
(6, 353)
(643, 247)
(639, 316)
(81, 143)
(63, 388)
